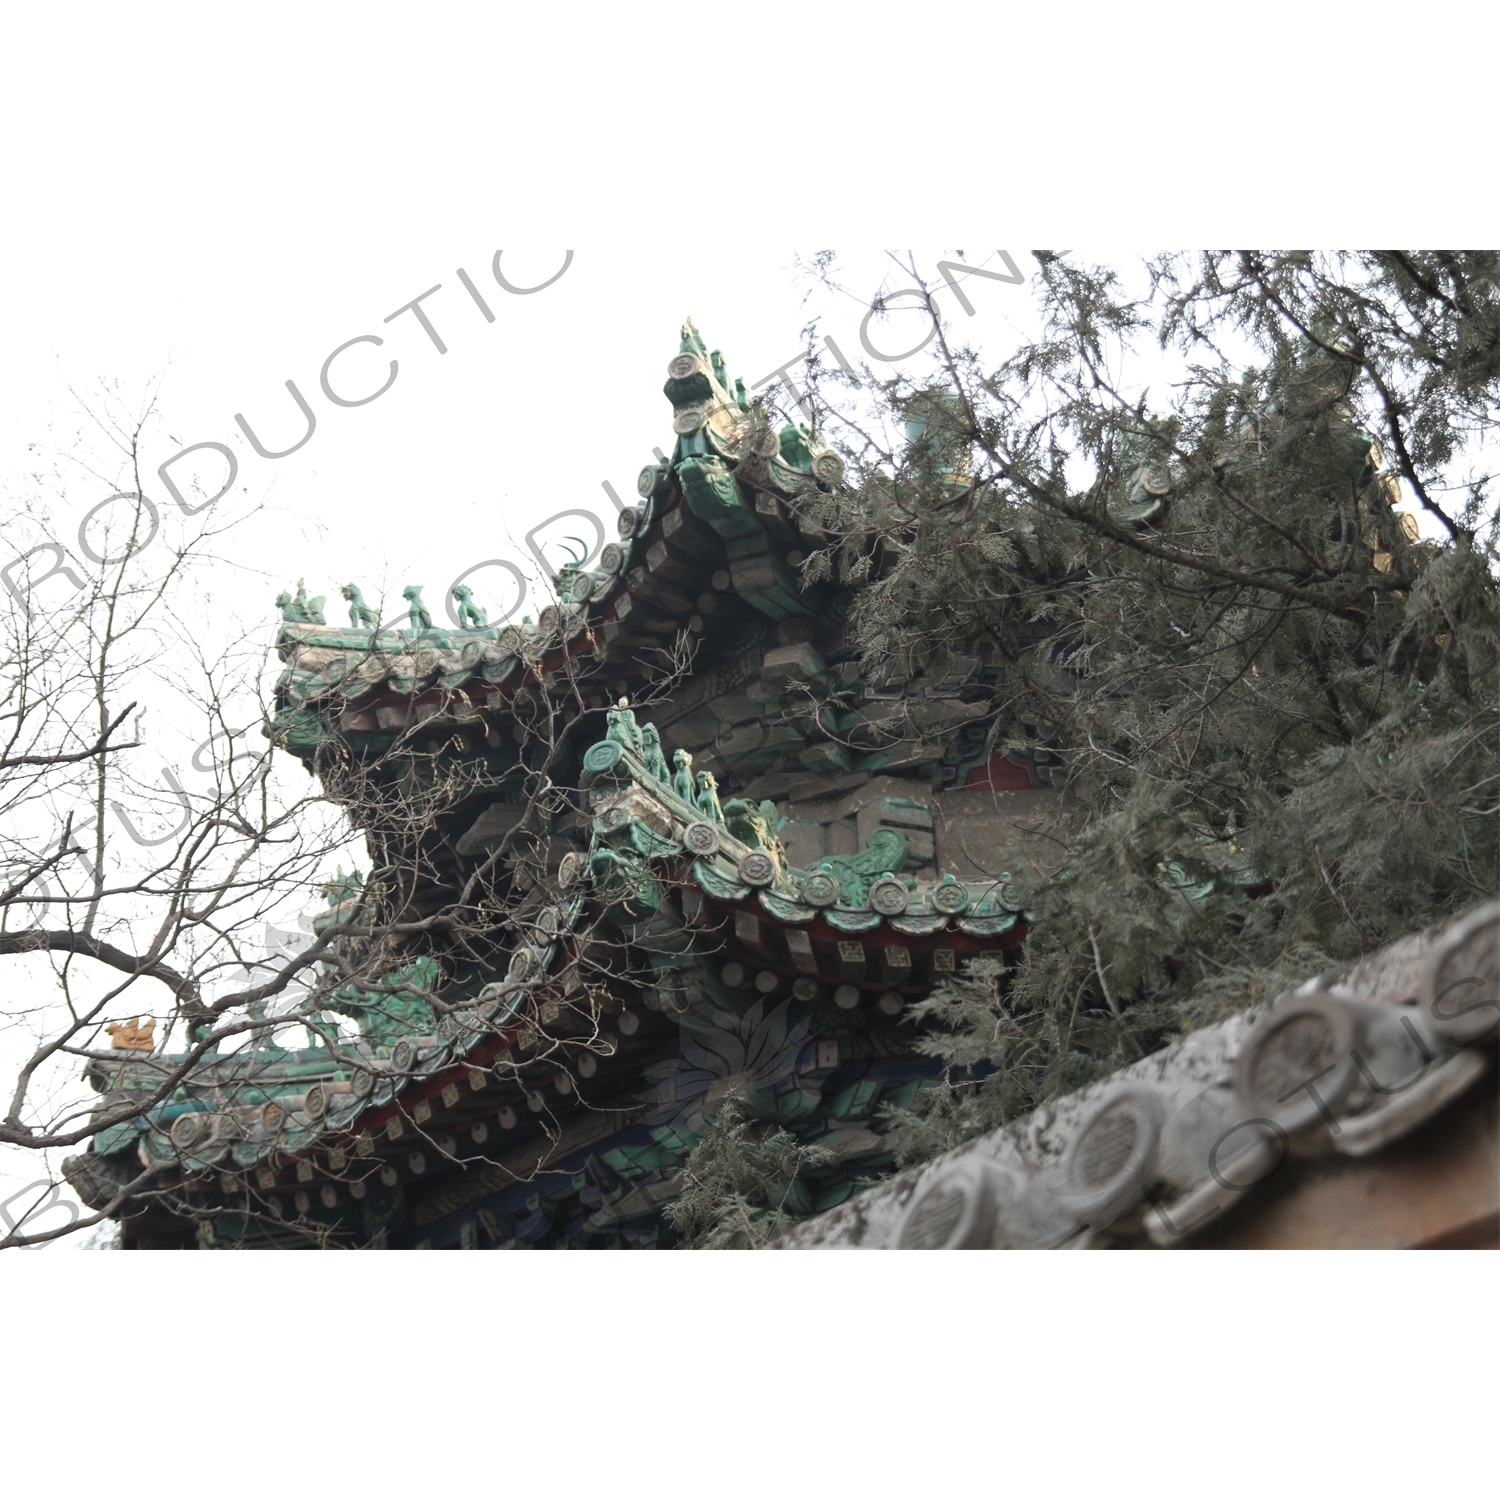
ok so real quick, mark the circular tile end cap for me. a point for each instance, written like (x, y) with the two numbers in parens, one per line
(757, 868)
(951, 896)
(1112, 1155)
(601, 756)
(1296, 1065)
(889, 896)
(955, 1210)
(1459, 986)
(701, 838)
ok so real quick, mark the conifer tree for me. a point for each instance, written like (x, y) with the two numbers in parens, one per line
(1273, 703)
(1247, 622)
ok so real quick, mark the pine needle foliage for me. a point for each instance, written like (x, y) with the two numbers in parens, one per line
(1271, 697)
(740, 1183)
(1251, 614)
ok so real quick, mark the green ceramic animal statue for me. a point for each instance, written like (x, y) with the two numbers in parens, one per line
(361, 616)
(301, 610)
(310, 610)
(398, 1007)
(708, 797)
(470, 616)
(755, 826)
(420, 619)
(651, 754)
(343, 887)
(623, 729)
(682, 779)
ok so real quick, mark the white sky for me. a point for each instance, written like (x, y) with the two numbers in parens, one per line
(521, 418)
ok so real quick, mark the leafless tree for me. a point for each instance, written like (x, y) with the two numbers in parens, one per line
(157, 923)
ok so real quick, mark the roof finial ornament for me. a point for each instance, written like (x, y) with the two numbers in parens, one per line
(360, 613)
(651, 753)
(420, 619)
(470, 615)
(623, 729)
(301, 610)
(708, 797)
(692, 340)
(682, 779)
(132, 1036)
